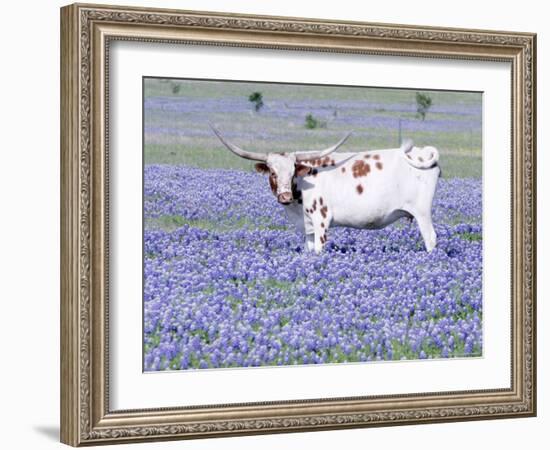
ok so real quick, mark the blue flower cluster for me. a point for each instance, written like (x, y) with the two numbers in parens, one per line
(229, 284)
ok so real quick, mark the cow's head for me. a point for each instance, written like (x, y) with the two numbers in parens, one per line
(281, 167)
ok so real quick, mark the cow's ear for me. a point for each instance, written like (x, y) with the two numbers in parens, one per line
(261, 167)
(302, 169)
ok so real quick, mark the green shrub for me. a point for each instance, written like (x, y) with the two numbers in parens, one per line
(257, 99)
(312, 122)
(423, 104)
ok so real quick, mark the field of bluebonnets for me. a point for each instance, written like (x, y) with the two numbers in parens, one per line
(227, 282)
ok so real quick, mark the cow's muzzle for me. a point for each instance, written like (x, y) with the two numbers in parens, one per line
(285, 198)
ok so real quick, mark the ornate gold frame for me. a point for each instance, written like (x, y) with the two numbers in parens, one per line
(86, 31)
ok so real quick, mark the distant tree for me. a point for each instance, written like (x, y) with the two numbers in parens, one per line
(423, 104)
(257, 99)
(312, 122)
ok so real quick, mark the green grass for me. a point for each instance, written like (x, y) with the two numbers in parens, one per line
(173, 222)
(461, 164)
(278, 285)
(159, 87)
(471, 236)
(167, 142)
(170, 223)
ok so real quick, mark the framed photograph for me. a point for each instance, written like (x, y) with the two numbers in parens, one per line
(276, 224)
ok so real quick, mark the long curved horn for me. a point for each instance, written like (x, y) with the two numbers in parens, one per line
(239, 151)
(306, 156)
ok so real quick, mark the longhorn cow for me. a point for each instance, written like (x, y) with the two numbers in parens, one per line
(365, 190)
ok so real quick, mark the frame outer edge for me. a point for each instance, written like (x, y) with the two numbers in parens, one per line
(79, 425)
(533, 225)
(69, 208)
(534, 175)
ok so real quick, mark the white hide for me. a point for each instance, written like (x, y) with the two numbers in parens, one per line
(283, 165)
(400, 183)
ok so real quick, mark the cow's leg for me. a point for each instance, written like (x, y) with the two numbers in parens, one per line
(310, 240)
(427, 231)
(317, 218)
(309, 231)
(320, 240)
(321, 221)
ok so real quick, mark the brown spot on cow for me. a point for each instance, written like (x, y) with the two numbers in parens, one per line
(322, 224)
(376, 157)
(360, 169)
(261, 168)
(367, 156)
(420, 159)
(301, 170)
(321, 201)
(379, 165)
(359, 189)
(409, 156)
(343, 170)
(332, 162)
(324, 210)
(432, 155)
(322, 239)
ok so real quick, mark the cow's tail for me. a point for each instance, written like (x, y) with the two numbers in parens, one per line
(420, 157)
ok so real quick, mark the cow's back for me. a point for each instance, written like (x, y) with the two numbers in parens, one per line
(372, 189)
